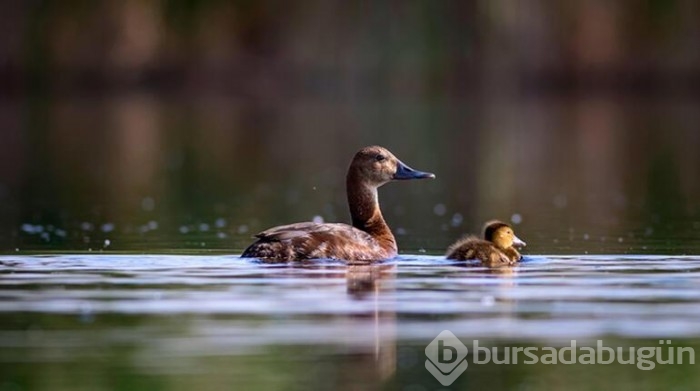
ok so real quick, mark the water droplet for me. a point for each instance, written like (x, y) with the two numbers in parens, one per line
(620, 240)
(457, 220)
(516, 218)
(204, 227)
(31, 229)
(107, 227)
(45, 236)
(107, 242)
(586, 237)
(242, 229)
(440, 209)
(85, 226)
(421, 250)
(317, 219)
(61, 233)
(401, 231)
(220, 222)
(148, 204)
(152, 225)
(221, 235)
(184, 229)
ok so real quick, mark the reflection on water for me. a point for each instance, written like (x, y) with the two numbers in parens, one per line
(219, 321)
(138, 171)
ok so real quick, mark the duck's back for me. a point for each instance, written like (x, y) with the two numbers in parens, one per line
(316, 241)
(472, 247)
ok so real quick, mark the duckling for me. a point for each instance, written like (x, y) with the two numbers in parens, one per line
(496, 249)
(369, 238)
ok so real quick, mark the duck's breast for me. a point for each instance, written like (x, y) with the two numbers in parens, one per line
(512, 254)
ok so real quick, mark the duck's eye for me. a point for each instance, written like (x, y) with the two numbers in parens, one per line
(380, 158)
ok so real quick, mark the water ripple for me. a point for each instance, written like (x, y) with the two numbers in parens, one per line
(415, 296)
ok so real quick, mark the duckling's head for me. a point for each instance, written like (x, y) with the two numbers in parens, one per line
(376, 166)
(502, 235)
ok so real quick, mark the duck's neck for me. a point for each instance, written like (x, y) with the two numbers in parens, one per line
(365, 212)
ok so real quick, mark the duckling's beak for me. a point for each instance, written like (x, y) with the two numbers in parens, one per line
(405, 172)
(517, 242)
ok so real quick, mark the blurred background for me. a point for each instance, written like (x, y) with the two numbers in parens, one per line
(189, 125)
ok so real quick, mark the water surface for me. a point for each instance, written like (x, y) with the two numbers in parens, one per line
(110, 321)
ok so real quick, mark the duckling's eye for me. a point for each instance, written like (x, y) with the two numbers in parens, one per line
(380, 158)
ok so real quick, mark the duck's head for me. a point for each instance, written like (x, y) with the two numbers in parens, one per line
(502, 235)
(376, 166)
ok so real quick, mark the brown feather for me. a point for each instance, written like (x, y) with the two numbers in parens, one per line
(496, 249)
(368, 239)
(472, 247)
(311, 241)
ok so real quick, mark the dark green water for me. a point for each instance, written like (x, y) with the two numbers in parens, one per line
(108, 322)
(590, 175)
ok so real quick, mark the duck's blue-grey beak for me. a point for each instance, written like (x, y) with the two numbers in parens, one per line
(405, 172)
(517, 242)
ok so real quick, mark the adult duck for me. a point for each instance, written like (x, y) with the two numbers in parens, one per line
(367, 239)
(497, 248)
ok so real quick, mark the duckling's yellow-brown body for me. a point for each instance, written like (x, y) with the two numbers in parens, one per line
(495, 249)
(368, 239)
(472, 247)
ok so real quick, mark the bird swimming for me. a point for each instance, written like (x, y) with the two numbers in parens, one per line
(497, 248)
(369, 238)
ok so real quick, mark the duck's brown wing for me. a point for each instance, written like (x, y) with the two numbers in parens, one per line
(311, 240)
(291, 231)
